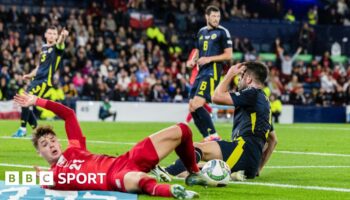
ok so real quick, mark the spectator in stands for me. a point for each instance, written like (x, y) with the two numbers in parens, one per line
(276, 107)
(289, 17)
(306, 38)
(287, 62)
(312, 15)
(346, 89)
(134, 88)
(248, 50)
(326, 60)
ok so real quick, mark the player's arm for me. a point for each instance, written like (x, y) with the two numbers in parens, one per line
(221, 94)
(192, 58)
(32, 74)
(73, 130)
(268, 150)
(227, 55)
(61, 39)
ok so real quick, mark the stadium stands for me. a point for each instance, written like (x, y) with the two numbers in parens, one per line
(107, 57)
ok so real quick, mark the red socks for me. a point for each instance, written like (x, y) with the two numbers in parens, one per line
(149, 186)
(189, 117)
(185, 150)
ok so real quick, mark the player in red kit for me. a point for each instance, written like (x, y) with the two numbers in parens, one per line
(78, 169)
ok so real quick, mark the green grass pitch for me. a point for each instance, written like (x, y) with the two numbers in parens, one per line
(312, 161)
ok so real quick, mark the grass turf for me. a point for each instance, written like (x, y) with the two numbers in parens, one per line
(304, 170)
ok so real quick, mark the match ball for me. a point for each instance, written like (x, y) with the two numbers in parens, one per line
(217, 172)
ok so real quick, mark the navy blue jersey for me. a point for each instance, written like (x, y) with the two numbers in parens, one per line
(211, 43)
(252, 114)
(50, 58)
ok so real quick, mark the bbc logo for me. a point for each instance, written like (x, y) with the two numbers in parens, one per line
(28, 178)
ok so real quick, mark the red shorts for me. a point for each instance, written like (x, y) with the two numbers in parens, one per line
(141, 158)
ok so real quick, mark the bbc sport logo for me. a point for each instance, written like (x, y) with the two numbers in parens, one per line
(46, 178)
(29, 178)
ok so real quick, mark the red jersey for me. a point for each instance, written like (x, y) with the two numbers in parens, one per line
(77, 168)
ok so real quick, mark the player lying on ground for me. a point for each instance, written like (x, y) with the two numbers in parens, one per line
(252, 128)
(125, 173)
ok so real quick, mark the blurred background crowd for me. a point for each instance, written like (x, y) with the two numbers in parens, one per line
(136, 50)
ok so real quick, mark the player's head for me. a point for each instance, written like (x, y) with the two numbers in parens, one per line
(212, 15)
(45, 141)
(255, 73)
(51, 34)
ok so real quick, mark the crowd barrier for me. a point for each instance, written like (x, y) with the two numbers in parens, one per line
(177, 112)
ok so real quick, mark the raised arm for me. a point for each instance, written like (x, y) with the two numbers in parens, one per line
(221, 94)
(297, 53)
(73, 130)
(62, 38)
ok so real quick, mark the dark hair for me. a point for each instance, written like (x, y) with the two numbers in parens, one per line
(41, 131)
(211, 9)
(52, 27)
(258, 70)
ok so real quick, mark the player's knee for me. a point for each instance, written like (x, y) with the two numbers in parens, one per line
(194, 105)
(206, 153)
(185, 130)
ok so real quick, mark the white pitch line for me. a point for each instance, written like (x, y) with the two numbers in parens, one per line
(306, 166)
(332, 189)
(313, 153)
(305, 187)
(133, 143)
(88, 141)
(315, 128)
(21, 166)
(304, 127)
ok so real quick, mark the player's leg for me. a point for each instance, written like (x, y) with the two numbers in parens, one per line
(32, 119)
(178, 138)
(25, 113)
(41, 93)
(201, 116)
(208, 108)
(204, 151)
(22, 130)
(141, 182)
(188, 118)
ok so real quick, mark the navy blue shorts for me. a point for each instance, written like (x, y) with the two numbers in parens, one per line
(38, 88)
(204, 87)
(242, 154)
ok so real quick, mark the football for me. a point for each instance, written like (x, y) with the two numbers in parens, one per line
(217, 172)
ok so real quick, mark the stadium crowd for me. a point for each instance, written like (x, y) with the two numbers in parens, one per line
(108, 55)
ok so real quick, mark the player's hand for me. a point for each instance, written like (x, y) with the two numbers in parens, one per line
(238, 176)
(27, 76)
(203, 60)
(25, 100)
(190, 63)
(37, 170)
(236, 69)
(64, 32)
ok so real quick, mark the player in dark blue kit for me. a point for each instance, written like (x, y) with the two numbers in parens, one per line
(213, 47)
(253, 138)
(42, 75)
